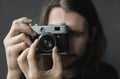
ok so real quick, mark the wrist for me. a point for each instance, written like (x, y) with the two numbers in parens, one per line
(14, 75)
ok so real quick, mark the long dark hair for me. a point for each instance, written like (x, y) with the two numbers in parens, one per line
(96, 46)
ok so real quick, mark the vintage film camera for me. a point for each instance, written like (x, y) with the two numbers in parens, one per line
(50, 36)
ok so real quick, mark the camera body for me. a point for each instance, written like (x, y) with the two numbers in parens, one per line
(50, 36)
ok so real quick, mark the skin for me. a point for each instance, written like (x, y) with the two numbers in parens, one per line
(78, 41)
(26, 62)
(77, 24)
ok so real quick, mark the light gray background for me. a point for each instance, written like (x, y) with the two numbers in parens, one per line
(108, 10)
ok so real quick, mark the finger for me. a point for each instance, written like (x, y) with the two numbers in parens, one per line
(56, 60)
(22, 61)
(18, 27)
(17, 48)
(25, 19)
(19, 38)
(31, 56)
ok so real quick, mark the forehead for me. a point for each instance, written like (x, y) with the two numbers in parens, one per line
(74, 20)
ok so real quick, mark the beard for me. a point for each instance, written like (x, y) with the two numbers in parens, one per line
(68, 61)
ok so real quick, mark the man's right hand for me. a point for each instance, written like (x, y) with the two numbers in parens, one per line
(15, 42)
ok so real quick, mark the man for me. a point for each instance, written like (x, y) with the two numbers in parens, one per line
(86, 45)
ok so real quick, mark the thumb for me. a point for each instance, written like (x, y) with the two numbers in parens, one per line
(57, 65)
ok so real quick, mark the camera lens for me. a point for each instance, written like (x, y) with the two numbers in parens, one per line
(47, 42)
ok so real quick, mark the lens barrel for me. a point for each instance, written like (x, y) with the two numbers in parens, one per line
(47, 42)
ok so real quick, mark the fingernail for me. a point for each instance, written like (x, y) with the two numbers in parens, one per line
(55, 49)
(37, 40)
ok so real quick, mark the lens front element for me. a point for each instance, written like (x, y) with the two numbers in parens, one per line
(47, 42)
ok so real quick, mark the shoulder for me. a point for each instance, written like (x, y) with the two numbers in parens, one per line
(108, 71)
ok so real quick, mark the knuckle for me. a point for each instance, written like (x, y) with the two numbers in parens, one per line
(24, 18)
(5, 42)
(22, 36)
(9, 51)
(14, 27)
(24, 45)
(19, 60)
(31, 76)
(7, 38)
(15, 21)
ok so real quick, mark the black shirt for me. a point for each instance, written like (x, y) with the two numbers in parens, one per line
(106, 72)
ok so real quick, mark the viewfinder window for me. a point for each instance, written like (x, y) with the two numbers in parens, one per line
(57, 28)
